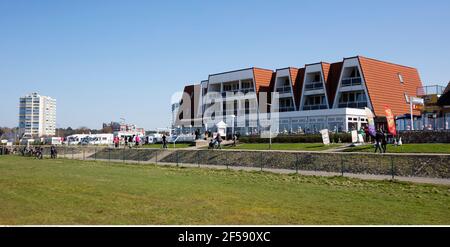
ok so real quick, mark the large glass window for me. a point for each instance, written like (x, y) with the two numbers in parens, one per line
(315, 102)
(353, 99)
(351, 77)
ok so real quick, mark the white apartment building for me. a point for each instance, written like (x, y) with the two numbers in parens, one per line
(37, 115)
(317, 96)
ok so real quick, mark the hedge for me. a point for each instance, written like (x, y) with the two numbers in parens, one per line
(310, 138)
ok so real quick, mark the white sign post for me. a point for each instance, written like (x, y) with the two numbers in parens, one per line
(354, 136)
(325, 136)
(414, 101)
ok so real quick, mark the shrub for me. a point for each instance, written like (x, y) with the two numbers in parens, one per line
(310, 138)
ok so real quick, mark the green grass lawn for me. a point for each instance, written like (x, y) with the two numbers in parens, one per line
(406, 148)
(170, 145)
(286, 146)
(87, 192)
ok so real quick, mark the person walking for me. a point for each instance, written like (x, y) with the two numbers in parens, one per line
(138, 140)
(53, 152)
(219, 141)
(116, 141)
(384, 142)
(164, 141)
(378, 138)
(130, 141)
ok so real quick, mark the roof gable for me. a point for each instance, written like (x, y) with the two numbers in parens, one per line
(384, 86)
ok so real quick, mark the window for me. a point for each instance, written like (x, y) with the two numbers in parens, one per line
(247, 84)
(355, 72)
(400, 77)
(317, 77)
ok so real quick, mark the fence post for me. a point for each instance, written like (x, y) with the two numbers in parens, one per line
(84, 155)
(198, 159)
(123, 155)
(95, 153)
(72, 153)
(260, 160)
(392, 167)
(177, 157)
(296, 163)
(109, 154)
(342, 165)
(156, 156)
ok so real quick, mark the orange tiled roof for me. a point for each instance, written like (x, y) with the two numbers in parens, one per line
(264, 81)
(332, 81)
(384, 86)
(297, 83)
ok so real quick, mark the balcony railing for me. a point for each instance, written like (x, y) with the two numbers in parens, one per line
(286, 109)
(430, 90)
(313, 85)
(352, 104)
(353, 81)
(314, 107)
(247, 90)
(285, 89)
(231, 92)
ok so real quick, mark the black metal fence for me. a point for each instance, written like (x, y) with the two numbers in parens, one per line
(392, 165)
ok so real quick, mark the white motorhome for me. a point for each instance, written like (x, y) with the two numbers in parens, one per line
(101, 139)
(53, 140)
(75, 139)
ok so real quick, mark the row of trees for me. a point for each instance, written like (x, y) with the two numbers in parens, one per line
(13, 133)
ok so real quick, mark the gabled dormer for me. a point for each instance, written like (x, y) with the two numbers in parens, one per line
(351, 91)
(314, 94)
(284, 86)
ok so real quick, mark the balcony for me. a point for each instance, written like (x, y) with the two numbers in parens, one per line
(352, 81)
(247, 89)
(430, 90)
(285, 89)
(315, 85)
(314, 107)
(286, 109)
(353, 104)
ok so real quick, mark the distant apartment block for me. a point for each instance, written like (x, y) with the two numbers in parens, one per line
(37, 115)
(317, 96)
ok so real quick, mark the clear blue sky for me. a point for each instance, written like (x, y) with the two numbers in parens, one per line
(103, 60)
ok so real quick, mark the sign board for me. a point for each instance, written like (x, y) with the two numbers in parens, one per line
(416, 101)
(360, 138)
(418, 107)
(325, 136)
(371, 122)
(354, 136)
(222, 128)
(4, 141)
(390, 121)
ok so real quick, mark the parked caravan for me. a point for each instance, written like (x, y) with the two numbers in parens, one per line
(101, 139)
(75, 139)
(53, 141)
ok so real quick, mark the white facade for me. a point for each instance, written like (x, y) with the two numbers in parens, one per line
(351, 90)
(231, 98)
(312, 121)
(37, 115)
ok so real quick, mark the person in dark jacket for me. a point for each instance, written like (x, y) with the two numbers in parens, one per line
(219, 141)
(378, 139)
(164, 141)
(384, 142)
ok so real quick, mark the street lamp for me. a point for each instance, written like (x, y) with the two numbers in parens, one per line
(270, 128)
(232, 125)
